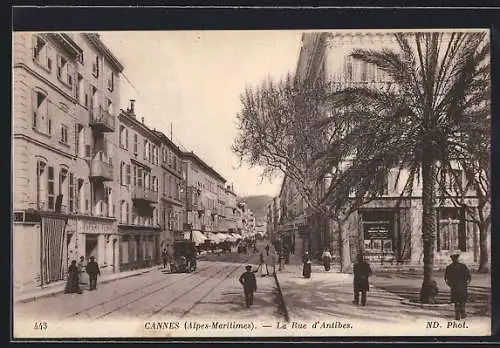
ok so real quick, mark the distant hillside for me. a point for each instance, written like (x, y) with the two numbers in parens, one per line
(257, 204)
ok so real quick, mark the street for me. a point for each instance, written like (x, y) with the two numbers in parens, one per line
(210, 293)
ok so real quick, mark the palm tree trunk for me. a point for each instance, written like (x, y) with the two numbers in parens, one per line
(427, 292)
(483, 249)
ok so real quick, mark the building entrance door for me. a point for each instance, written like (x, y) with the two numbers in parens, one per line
(90, 246)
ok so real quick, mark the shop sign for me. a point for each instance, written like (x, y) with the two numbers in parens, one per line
(97, 227)
(377, 230)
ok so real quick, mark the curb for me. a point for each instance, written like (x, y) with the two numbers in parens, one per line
(424, 305)
(60, 291)
(282, 299)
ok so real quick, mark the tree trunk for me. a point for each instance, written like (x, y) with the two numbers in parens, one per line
(483, 249)
(344, 251)
(429, 286)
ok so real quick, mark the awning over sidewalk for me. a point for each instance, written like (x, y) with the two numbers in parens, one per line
(198, 237)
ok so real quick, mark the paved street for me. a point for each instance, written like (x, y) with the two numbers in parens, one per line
(327, 297)
(123, 307)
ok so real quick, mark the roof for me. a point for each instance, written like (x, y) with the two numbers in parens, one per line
(133, 119)
(191, 155)
(167, 141)
(101, 47)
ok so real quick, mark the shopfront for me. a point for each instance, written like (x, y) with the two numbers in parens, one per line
(378, 228)
(93, 236)
(139, 246)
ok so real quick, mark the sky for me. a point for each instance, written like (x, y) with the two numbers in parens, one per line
(192, 80)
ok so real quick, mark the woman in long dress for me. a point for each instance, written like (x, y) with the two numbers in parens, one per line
(306, 269)
(327, 259)
(73, 282)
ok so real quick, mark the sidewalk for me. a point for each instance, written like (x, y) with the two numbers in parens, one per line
(328, 296)
(58, 287)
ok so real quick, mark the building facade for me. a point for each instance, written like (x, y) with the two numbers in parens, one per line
(65, 89)
(173, 190)
(138, 185)
(205, 195)
(384, 229)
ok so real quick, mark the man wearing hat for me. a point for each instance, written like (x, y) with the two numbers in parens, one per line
(249, 283)
(93, 271)
(457, 276)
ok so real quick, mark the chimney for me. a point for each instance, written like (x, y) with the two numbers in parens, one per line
(132, 102)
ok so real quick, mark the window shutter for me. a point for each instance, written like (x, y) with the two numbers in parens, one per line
(71, 72)
(33, 44)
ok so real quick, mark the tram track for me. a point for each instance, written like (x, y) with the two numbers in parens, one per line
(169, 282)
(152, 288)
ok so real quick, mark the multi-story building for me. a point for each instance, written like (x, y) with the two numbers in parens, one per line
(173, 188)
(138, 183)
(232, 214)
(382, 229)
(65, 88)
(203, 193)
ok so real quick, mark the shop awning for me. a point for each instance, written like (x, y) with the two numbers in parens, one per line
(198, 237)
(213, 237)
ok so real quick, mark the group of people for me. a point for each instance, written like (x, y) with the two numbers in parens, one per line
(76, 273)
(457, 276)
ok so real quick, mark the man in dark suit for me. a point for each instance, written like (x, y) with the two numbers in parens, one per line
(249, 283)
(457, 276)
(362, 271)
(93, 271)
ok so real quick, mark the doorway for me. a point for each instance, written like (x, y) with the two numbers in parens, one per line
(90, 246)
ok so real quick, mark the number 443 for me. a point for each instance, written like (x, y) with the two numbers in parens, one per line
(40, 325)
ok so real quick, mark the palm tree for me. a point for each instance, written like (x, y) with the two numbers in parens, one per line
(439, 98)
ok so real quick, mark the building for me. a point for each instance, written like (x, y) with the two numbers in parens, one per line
(138, 184)
(65, 89)
(232, 215)
(173, 189)
(204, 194)
(382, 229)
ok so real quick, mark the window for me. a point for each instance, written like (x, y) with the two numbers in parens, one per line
(81, 94)
(109, 107)
(95, 66)
(139, 177)
(164, 184)
(170, 186)
(65, 70)
(383, 188)
(134, 175)
(50, 188)
(41, 118)
(63, 184)
(41, 52)
(364, 72)
(72, 189)
(123, 137)
(128, 174)
(111, 81)
(145, 150)
(136, 141)
(451, 233)
(80, 58)
(122, 173)
(454, 181)
(94, 102)
(123, 211)
(64, 134)
(41, 183)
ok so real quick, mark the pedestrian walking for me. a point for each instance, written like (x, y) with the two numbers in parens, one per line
(93, 271)
(81, 270)
(362, 271)
(164, 257)
(306, 265)
(274, 261)
(73, 281)
(267, 250)
(170, 257)
(292, 248)
(261, 265)
(327, 259)
(249, 283)
(458, 277)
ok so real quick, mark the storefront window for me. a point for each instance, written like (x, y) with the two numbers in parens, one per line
(378, 229)
(451, 229)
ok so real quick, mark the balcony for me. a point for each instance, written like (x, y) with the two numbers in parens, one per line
(101, 168)
(144, 195)
(101, 120)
